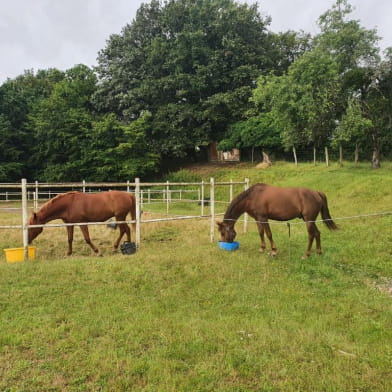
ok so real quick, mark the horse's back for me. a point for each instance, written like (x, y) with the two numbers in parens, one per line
(100, 206)
(284, 203)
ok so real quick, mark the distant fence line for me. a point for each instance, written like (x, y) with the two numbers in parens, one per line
(25, 192)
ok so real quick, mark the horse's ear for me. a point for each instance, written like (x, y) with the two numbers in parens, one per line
(219, 224)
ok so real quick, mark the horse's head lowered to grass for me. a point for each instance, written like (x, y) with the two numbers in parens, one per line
(33, 232)
(226, 230)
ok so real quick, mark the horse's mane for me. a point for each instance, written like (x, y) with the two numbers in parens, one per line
(230, 212)
(49, 203)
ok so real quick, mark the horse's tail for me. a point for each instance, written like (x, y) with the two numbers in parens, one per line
(325, 213)
(133, 212)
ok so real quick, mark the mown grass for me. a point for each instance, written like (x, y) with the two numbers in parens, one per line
(182, 315)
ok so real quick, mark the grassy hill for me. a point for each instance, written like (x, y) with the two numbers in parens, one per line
(183, 315)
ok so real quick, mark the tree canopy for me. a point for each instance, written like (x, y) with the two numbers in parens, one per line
(191, 64)
(185, 73)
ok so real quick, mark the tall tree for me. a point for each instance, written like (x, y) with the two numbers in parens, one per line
(191, 64)
(117, 151)
(355, 50)
(345, 40)
(302, 102)
(60, 124)
(312, 97)
(378, 108)
(17, 98)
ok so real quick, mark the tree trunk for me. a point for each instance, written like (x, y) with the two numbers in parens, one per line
(376, 159)
(295, 156)
(326, 156)
(341, 156)
(266, 159)
(253, 152)
(314, 155)
(376, 150)
(356, 154)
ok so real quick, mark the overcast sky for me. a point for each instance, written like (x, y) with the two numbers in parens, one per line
(41, 34)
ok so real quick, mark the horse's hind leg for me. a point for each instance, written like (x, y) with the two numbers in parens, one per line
(318, 240)
(124, 229)
(86, 236)
(313, 232)
(260, 228)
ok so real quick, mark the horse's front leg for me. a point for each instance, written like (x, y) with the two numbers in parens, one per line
(70, 231)
(265, 224)
(86, 236)
(260, 228)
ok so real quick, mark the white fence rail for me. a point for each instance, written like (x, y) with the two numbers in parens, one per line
(157, 192)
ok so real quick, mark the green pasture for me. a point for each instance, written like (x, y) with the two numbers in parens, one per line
(183, 315)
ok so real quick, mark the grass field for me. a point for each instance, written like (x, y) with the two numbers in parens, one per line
(183, 315)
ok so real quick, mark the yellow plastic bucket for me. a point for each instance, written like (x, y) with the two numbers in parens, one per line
(15, 255)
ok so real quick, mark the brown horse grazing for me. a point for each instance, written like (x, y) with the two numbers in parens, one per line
(263, 202)
(77, 207)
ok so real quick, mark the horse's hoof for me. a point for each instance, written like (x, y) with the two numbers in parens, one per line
(262, 250)
(273, 254)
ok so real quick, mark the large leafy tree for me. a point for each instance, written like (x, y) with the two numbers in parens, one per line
(256, 132)
(60, 124)
(287, 47)
(311, 98)
(351, 45)
(11, 165)
(191, 64)
(377, 107)
(72, 142)
(355, 50)
(353, 127)
(17, 98)
(302, 102)
(117, 151)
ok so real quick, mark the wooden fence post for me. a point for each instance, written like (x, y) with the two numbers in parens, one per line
(326, 156)
(36, 197)
(167, 197)
(24, 221)
(295, 156)
(340, 155)
(137, 200)
(246, 215)
(212, 208)
(202, 198)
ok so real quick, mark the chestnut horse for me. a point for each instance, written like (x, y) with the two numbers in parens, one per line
(263, 202)
(78, 207)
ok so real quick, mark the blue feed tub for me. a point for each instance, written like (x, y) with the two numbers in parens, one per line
(229, 245)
